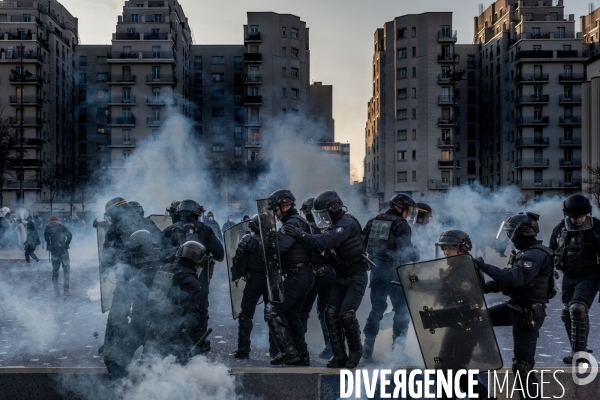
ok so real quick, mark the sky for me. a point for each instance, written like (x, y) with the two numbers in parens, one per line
(341, 34)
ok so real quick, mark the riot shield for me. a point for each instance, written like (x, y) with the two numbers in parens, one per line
(268, 234)
(161, 221)
(232, 237)
(108, 279)
(449, 313)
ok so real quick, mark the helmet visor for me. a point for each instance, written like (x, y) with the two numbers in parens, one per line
(579, 223)
(413, 211)
(506, 231)
(322, 218)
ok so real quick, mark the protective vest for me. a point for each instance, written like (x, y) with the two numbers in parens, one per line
(579, 254)
(382, 242)
(255, 256)
(299, 252)
(350, 251)
(541, 288)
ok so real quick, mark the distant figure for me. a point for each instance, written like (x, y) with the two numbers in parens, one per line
(214, 225)
(245, 219)
(31, 242)
(58, 238)
(228, 224)
(4, 226)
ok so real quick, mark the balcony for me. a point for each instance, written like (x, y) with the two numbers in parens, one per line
(28, 80)
(120, 100)
(445, 164)
(27, 100)
(197, 81)
(161, 101)
(254, 122)
(547, 184)
(571, 99)
(156, 36)
(152, 121)
(252, 100)
(120, 142)
(534, 54)
(567, 53)
(573, 163)
(27, 163)
(451, 58)
(445, 142)
(444, 78)
(127, 36)
(162, 79)
(33, 142)
(438, 184)
(532, 99)
(532, 163)
(124, 56)
(573, 120)
(253, 79)
(26, 121)
(446, 36)
(27, 184)
(445, 100)
(159, 55)
(254, 37)
(121, 80)
(446, 121)
(122, 121)
(533, 142)
(572, 77)
(532, 121)
(253, 145)
(573, 142)
(28, 57)
(532, 78)
(252, 58)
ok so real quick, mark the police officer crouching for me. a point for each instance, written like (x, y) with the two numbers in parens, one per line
(174, 325)
(529, 282)
(576, 241)
(342, 234)
(283, 318)
(249, 264)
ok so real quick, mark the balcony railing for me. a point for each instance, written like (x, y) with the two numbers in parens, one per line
(254, 78)
(172, 79)
(445, 99)
(122, 79)
(448, 57)
(446, 120)
(153, 55)
(252, 57)
(532, 183)
(129, 100)
(573, 142)
(253, 100)
(532, 163)
(156, 36)
(253, 37)
(439, 184)
(534, 54)
(152, 121)
(33, 142)
(572, 77)
(121, 142)
(534, 141)
(570, 99)
(151, 100)
(445, 142)
(533, 78)
(572, 120)
(445, 164)
(566, 53)
(446, 35)
(532, 121)
(254, 121)
(532, 99)
(575, 162)
(27, 163)
(127, 36)
(26, 100)
(27, 184)
(122, 121)
(16, 121)
(125, 56)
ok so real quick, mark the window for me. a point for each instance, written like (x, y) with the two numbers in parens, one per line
(126, 95)
(294, 33)
(414, 31)
(560, 33)
(237, 150)
(82, 95)
(155, 73)
(158, 17)
(295, 72)
(217, 60)
(414, 134)
(402, 156)
(401, 135)
(294, 52)
(414, 51)
(102, 112)
(126, 136)
(283, 31)
(254, 91)
(414, 176)
(218, 130)
(83, 61)
(535, 32)
(401, 94)
(218, 112)
(402, 176)
(155, 93)
(568, 71)
(401, 114)
(283, 92)
(295, 93)
(237, 62)
(82, 78)
(414, 93)
(26, 17)
(402, 53)
(414, 113)
(414, 155)
(253, 28)
(218, 77)
(198, 132)
(218, 147)
(102, 77)
(126, 155)
(237, 132)
(401, 73)
(401, 33)
(198, 62)
(283, 52)
(135, 18)
(218, 93)
(414, 72)
(283, 72)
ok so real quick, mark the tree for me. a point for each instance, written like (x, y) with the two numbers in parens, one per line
(68, 181)
(50, 178)
(9, 150)
(591, 184)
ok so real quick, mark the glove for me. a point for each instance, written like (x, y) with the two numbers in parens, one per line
(294, 231)
(479, 263)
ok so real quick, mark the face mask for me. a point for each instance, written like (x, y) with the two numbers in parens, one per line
(230, 219)
(210, 218)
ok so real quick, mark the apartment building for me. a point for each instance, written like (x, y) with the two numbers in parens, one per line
(530, 74)
(421, 135)
(590, 31)
(37, 62)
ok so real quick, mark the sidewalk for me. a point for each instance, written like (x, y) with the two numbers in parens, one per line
(80, 253)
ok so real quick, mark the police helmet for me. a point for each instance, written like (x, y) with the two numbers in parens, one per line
(577, 205)
(136, 207)
(455, 237)
(192, 251)
(142, 240)
(253, 225)
(522, 225)
(402, 200)
(307, 206)
(190, 208)
(424, 210)
(172, 209)
(328, 200)
(114, 205)
(280, 198)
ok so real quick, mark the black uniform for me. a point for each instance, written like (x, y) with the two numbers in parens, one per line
(578, 261)
(189, 228)
(214, 225)
(58, 238)
(32, 241)
(529, 282)
(283, 318)
(387, 254)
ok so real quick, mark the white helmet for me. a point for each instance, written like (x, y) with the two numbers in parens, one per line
(4, 211)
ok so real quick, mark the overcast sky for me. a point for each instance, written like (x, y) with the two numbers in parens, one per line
(341, 33)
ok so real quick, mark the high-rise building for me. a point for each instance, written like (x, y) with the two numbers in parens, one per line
(530, 73)
(421, 135)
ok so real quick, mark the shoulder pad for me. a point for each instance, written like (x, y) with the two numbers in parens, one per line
(388, 217)
(541, 247)
(360, 229)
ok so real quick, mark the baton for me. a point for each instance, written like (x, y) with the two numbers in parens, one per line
(367, 259)
(202, 340)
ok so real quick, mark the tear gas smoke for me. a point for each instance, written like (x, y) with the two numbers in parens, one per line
(94, 292)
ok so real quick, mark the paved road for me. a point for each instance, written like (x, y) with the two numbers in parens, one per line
(40, 330)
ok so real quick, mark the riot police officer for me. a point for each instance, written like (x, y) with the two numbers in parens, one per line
(172, 211)
(576, 240)
(296, 261)
(174, 320)
(189, 228)
(324, 277)
(424, 213)
(529, 282)
(123, 222)
(124, 334)
(146, 223)
(422, 232)
(249, 264)
(388, 241)
(342, 234)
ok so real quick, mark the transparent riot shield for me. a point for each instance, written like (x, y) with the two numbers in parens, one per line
(161, 221)
(448, 310)
(268, 234)
(232, 237)
(108, 279)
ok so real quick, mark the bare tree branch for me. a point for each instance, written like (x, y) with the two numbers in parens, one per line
(591, 185)
(50, 178)
(9, 150)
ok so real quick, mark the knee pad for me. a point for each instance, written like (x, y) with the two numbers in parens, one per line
(565, 314)
(330, 313)
(349, 314)
(271, 312)
(578, 311)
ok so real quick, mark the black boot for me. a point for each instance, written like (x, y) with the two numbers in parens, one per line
(336, 337)
(326, 353)
(352, 333)
(303, 361)
(244, 331)
(273, 350)
(529, 383)
(287, 353)
(368, 348)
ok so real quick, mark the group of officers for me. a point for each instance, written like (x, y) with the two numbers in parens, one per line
(324, 256)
